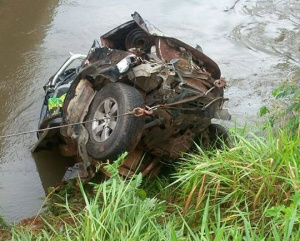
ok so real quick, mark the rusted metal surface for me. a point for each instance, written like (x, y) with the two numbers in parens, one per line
(77, 108)
(133, 159)
(155, 171)
(150, 167)
(175, 135)
(135, 162)
(166, 52)
(220, 82)
(76, 112)
(141, 111)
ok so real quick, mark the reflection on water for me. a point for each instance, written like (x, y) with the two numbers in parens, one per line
(23, 27)
(256, 44)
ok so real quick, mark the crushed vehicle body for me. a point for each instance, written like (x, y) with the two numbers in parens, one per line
(137, 91)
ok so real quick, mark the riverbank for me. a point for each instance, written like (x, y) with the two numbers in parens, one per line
(255, 43)
(248, 192)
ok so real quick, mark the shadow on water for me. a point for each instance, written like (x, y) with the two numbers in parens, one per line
(51, 167)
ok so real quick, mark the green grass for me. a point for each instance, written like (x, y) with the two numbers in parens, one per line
(248, 192)
(258, 171)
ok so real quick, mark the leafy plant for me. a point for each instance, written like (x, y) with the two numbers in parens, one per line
(285, 111)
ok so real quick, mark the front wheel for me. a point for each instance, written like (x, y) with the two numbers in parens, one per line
(113, 133)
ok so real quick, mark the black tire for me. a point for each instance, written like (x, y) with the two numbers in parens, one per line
(126, 131)
(219, 136)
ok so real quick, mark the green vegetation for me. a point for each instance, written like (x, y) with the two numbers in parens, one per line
(284, 112)
(250, 191)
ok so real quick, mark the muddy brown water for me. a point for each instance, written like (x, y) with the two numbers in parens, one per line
(255, 43)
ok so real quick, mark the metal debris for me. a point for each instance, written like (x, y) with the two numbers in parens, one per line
(180, 90)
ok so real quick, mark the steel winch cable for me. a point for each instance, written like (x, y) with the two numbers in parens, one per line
(136, 111)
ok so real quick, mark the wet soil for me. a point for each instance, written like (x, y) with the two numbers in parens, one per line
(256, 44)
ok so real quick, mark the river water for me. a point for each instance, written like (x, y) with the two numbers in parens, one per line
(256, 44)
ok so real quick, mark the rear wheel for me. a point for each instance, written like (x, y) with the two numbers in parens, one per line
(113, 133)
(219, 136)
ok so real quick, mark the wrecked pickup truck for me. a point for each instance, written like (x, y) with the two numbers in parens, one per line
(138, 91)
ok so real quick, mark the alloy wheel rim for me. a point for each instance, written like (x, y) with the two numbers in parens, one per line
(106, 119)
